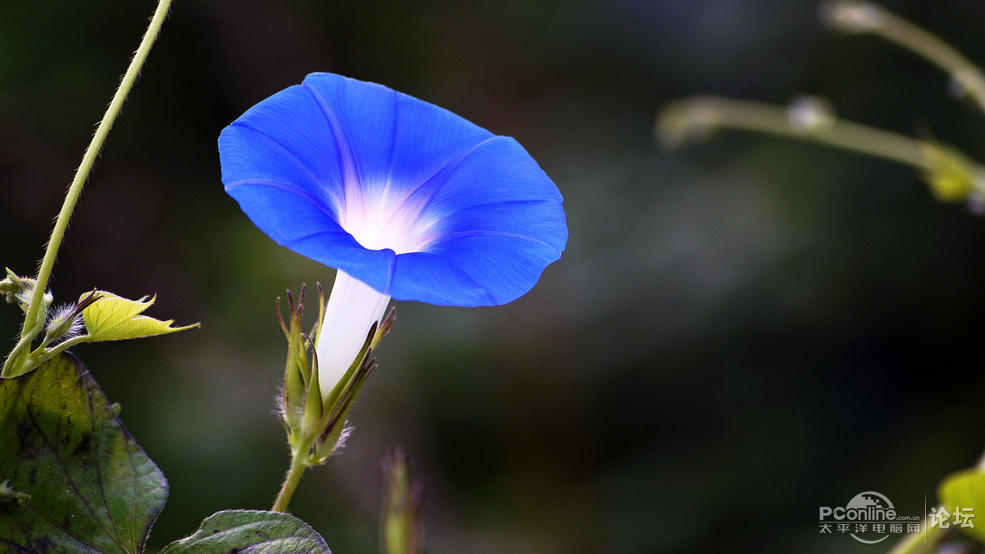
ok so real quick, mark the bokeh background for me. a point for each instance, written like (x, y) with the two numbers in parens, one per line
(737, 334)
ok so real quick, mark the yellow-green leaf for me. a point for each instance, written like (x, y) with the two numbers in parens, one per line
(112, 317)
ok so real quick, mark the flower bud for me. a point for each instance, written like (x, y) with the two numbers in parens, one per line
(401, 528)
(20, 289)
(66, 322)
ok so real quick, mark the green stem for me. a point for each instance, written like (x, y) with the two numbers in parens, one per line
(863, 17)
(682, 118)
(299, 463)
(39, 356)
(75, 189)
(13, 361)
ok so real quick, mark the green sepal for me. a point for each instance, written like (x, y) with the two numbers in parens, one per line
(256, 532)
(376, 333)
(91, 487)
(337, 405)
(311, 404)
(315, 425)
(300, 372)
(295, 370)
(112, 317)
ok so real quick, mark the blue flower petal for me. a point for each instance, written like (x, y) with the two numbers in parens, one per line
(444, 211)
(279, 141)
(471, 271)
(391, 140)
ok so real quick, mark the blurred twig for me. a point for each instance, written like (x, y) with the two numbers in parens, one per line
(852, 16)
(806, 119)
(951, 174)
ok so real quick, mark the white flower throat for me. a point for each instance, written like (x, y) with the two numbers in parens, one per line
(381, 218)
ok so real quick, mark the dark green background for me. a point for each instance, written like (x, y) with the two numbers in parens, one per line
(736, 335)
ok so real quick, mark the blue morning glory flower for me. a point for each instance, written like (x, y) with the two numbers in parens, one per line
(407, 200)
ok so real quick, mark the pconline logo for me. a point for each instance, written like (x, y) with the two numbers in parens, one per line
(865, 506)
(869, 517)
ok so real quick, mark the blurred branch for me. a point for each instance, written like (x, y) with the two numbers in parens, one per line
(951, 174)
(806, 119)
(852, 16)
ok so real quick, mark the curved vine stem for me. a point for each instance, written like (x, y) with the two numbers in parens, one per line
(31, 320)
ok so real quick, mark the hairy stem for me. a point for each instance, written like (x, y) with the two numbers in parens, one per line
(82, 174)
(299, 463)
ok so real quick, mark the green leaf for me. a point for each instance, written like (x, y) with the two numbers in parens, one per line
(963, 490)
(112, 317)
(251, 532)
(91, 488)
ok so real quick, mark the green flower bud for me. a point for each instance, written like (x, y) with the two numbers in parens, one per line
(66, 322)
(400, 530)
